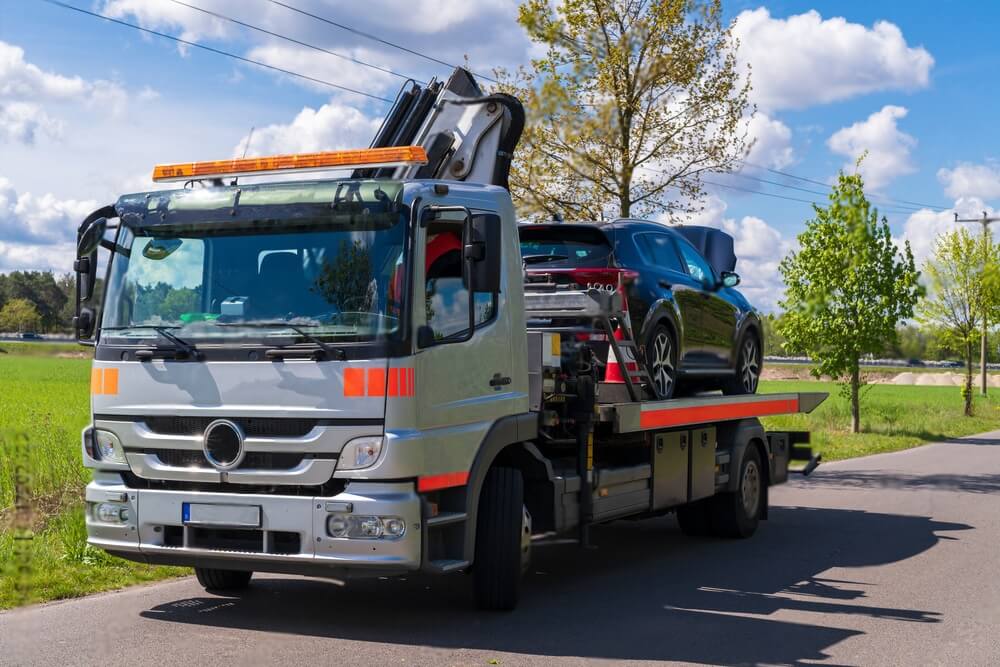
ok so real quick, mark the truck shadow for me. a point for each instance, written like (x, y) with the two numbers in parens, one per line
(645, 593)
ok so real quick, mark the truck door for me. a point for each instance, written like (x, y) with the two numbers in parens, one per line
(463, 379)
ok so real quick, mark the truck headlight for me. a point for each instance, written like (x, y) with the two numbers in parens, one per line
(111, 513)
(364, 527)
(360, 453)
(108, 447)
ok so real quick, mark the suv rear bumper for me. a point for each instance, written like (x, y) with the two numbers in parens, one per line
(291, 538)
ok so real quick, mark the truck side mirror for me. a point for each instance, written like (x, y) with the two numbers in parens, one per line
(482, 253)
(90, 237)
(84, 323)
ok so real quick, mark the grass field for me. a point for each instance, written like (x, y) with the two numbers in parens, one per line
(44, 404)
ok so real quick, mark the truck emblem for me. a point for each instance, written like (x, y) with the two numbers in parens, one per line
(223, 444)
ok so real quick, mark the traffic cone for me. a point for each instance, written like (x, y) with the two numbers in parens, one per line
(613, 369)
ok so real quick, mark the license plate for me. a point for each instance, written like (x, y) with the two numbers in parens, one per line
(198, 514)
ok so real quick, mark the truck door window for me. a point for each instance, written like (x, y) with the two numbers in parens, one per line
(446, 298)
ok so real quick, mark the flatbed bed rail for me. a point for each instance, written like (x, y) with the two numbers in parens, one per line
(631, 417)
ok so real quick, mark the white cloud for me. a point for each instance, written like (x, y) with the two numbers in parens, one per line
(888, 147)
(325, 67)
(39, 218)
(804, 60)
(333, 126)
(38, 231)
(759, 250)
(922, 228)
(773, 142)
(25, 122)
(971, 180)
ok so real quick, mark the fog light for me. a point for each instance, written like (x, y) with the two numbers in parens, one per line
(111, 513)
(369, 527)
(337, 525)
(393, 526)
(108, 447)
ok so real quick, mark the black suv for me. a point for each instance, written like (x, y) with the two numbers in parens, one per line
(695, 330)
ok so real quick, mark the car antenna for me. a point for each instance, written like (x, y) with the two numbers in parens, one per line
(246, 147)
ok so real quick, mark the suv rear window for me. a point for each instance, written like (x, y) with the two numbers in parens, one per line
(563, 245)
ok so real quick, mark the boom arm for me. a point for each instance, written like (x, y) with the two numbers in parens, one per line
(467, 136)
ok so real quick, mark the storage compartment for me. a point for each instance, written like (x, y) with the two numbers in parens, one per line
(670, 469)
(702, 463)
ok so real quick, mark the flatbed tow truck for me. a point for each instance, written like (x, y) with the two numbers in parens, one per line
(348, 377)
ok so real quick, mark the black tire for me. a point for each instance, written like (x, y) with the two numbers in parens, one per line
(661, 362)
(222, 580)
(737, 514)
(695, 519)
(497, 568)
(749, 362)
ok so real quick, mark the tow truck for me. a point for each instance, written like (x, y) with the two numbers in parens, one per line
(346, 376)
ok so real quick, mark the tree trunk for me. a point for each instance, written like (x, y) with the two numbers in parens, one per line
(983, 358)
(855, 403)
(968, 378)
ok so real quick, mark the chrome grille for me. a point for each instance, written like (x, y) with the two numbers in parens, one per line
(188, 458)
(253, 428)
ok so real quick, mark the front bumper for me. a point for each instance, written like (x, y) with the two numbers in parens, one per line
(155, 532)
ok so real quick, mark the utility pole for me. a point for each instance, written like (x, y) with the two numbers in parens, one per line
(985, 222)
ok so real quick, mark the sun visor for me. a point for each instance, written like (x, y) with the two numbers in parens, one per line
(714, 244)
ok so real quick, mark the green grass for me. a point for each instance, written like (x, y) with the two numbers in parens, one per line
(43, 349)
(893, 417)
(44, 404)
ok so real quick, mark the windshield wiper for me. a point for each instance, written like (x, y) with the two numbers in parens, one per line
(324, 350)
(538, 259)
(182, 348)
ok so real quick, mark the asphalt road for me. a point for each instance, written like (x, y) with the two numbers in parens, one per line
(891, 559)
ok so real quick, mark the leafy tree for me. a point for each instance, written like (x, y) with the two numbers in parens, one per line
(959, 292)
(40, 288)
(631, 104)
(848, 287)
(774, 342)
(347, 281)
(19, 315)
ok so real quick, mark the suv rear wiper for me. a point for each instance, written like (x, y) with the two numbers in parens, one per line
(538, 259)
(182, 348)
(324, 348)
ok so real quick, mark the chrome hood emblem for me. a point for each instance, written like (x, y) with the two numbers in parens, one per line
(223, 444)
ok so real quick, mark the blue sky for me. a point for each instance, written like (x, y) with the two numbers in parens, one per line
(87, 107)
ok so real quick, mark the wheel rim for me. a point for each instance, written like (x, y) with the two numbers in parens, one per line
(750, 488)
(662, 370)
(750, 368)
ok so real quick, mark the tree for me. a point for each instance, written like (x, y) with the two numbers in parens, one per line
(848, 287)
(631, 104)
(960, 288)
(40, 288)
(19, 315)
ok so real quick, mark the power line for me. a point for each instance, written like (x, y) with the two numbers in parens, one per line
(777, 196)
(218, 51)
(892, 208)
(827, 185)
(296, 41)
(372, 37)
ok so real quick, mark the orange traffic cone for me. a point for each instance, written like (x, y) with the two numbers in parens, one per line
(613, 370)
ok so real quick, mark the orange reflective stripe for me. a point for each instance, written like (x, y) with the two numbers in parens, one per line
(111, 381)
(443, 481)
(354, 382)
(96, 381)
(392, 389)
(707, 413)
(376, 382)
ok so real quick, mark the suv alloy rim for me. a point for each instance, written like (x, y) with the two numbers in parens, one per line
(663, 364)
(751, 367)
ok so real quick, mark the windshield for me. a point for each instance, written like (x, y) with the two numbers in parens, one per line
(563, 245)
(338, 278)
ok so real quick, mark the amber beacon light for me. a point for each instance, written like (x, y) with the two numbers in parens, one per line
(276, 164)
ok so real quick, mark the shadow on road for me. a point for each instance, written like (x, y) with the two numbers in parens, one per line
(646, 592)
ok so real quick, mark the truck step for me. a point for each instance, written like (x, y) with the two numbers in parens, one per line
(444, 565)
(445, 518)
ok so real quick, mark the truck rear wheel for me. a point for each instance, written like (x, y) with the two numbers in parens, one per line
(498, 565)
(222, 580)
(737, 514)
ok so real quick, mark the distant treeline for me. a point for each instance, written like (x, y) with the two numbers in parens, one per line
(52, 296)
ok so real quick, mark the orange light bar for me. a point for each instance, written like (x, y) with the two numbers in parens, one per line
(276, 164)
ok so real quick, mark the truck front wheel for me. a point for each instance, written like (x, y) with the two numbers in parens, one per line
(499, 540)
(222, 580)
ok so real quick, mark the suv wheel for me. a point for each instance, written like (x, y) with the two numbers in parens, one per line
(748, 365)
(661, 362)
